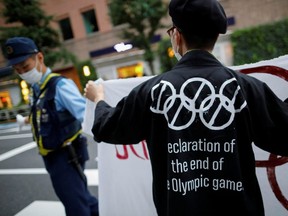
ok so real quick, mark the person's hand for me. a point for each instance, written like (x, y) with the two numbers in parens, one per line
(93, 91)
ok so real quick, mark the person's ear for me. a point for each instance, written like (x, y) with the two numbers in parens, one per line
(178, 40)
(40, 57)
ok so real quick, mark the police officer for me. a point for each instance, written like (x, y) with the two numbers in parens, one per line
(57, 110)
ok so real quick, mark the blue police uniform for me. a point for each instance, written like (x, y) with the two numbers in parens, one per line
(57, 110)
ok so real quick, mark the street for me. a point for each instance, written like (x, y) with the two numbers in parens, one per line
(25, 186)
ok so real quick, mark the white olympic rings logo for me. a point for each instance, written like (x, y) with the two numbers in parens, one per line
(197, 96)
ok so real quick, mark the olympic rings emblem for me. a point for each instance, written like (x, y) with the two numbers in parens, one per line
(197, 97)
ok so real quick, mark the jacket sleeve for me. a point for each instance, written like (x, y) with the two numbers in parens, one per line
(269, 118)
(123, 124)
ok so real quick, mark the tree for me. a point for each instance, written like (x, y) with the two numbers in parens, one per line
(26, 18)
(143, 19)
(260, 42)
(166, 55)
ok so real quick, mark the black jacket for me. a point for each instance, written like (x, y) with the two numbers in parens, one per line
(199, 121)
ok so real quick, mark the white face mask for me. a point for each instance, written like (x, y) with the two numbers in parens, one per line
(176, 53)
(32, 76)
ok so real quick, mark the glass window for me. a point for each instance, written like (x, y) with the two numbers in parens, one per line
(135, 70)
(90, 21)
(66, 29)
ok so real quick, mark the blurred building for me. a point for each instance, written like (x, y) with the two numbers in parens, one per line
(87, 31)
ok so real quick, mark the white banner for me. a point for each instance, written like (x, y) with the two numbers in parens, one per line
(125, 180)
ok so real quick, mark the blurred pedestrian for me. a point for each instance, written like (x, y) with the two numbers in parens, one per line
(57, 112)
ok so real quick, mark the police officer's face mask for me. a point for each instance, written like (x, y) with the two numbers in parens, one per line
(32, 76)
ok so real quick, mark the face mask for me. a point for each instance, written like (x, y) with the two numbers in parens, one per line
(176, 53)
(32, 76)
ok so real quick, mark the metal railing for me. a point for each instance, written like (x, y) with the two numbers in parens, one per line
(7, 115)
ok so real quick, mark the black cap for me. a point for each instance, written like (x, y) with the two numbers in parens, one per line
(198, 16)
(18, 49)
